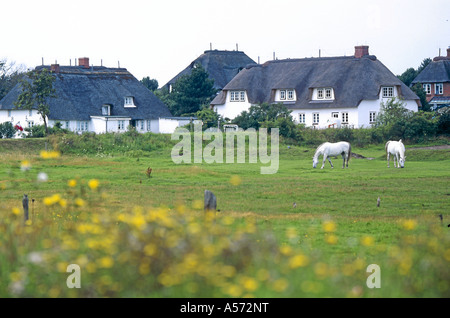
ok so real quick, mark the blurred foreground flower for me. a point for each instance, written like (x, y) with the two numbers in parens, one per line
(93, 184)
(50, 154)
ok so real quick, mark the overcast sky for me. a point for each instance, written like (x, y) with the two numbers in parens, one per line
(160, 38)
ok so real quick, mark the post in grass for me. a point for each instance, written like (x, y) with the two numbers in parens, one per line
(25, 207)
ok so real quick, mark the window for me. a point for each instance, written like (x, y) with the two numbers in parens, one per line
(439, 89)
(427, 88)
(30, 124)
(325, 93)
(320, 93)
(345, 118)
(283, 95)
(30, 113)
(301, 118)
(82, 125)
(372, 117)
(237, 96)
(141, 124)
(149, 125)
(290, 93)
(129, 101)
(66, 125)
(106, 110)
(9, 113)
(315, 118)
(121, 125)
(335, 115)
(388, 92)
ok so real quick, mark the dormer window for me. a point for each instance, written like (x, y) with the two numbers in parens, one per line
(129, 101)
(325, 93)
(388, 92)
(286, 95)
(237, 96)
(106, 110)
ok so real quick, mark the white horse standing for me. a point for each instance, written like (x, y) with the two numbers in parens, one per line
(329, 149)
(397, 149)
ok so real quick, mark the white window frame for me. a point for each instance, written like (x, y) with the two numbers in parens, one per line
(282, 95)
(427, 88)
(141, 124)
(320, 93)
(149, 125)
(372, 117)
(30, 123)
(388, 91)
(82, 125)
(335, 115)
(438, 88)
(302, 118)
(237, 96)
(290, 94)
(9, 113)
(315, 118)
(345, 117)
(121, 125)
(328, 93)
(108, 110)
(129, 101)
(30, 113)
(67, 125)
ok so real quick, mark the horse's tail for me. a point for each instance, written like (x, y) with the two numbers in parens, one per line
(349, 152)
(386, 146)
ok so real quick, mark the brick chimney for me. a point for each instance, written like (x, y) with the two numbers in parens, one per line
(54, 68)
(83, 61)
(448, 52)
(361, 50)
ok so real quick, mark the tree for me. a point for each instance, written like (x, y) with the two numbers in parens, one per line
(420, 92)
(191, 92)
(10, 75)
(37, 88)
(424, 64)
(208, 116)
(151, 84)
(408, 76)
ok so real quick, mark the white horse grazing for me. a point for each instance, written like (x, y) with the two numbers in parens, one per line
(329, 149)
(397, 149)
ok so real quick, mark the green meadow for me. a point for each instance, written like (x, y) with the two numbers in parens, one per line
(300, 232)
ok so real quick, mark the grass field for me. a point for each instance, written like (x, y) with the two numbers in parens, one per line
(140, 236)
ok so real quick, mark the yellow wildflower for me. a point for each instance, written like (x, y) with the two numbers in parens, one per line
(93, 184)
(367, 240)
(79, 202)
(299, 260)
(72, 183)
(409, 224)
(280, 285)
(250, 284)
(331, 239)
(16, 211)
(50, 154)
(25, 165)
(105, 262)
(329, 226)
(235, 180)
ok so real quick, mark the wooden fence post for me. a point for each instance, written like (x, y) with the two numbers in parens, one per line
(25, 207)
(210, 201)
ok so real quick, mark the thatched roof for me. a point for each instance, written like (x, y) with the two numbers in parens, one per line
(221, 66)
(82, 91)
(434, 72)
(353, 80)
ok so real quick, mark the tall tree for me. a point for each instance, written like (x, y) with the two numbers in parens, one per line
(37, 88)
(151, 84)
(191, 92)
(10, 75)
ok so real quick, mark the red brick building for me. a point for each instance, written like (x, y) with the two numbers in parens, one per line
(435, 80)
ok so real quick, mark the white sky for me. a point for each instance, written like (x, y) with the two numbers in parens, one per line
(160, 38)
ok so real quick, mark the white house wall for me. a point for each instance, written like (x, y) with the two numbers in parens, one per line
(232, 109)
(21, 117)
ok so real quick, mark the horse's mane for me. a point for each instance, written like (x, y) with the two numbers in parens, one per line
(319, 149)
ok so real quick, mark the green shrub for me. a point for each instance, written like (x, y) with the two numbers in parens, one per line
(7, 130)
